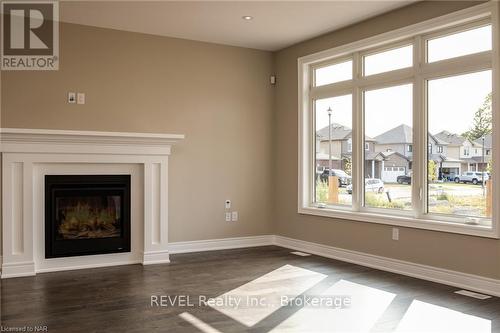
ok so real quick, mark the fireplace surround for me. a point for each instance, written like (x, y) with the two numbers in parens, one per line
(29, 155)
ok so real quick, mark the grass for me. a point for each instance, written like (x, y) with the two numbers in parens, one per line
(381, 201)
(448, 204)
(445, 203)
(321, 191)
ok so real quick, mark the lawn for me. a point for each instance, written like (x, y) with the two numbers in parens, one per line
(444, 198)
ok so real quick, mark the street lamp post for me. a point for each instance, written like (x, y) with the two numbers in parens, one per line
(484, 168)
(333, 182)
(329, 141)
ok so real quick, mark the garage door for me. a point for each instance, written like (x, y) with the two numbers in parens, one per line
(390, 174)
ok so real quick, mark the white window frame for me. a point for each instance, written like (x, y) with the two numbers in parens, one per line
(418, 75)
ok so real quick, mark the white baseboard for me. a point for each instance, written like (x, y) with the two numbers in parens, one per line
(156, 257)
(453, 278)
(220, 244)
(435, 274)
(18, 269)
(86, 266)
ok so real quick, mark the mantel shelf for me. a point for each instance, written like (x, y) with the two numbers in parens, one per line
(63, 141)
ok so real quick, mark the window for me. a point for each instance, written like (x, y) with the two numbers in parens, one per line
(401, 57)
(394, 107)
(333, 73)
(388, 119)
(459, 44)
(456, 101)
(333, 145)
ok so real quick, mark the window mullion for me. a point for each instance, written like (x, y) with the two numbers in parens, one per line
(357, 136)
(419, 131)
(496, 116)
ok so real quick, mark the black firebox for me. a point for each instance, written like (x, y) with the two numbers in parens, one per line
(86, 214)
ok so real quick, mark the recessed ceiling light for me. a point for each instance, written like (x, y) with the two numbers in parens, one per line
(247, 17)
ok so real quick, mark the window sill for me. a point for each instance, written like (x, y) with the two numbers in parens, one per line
(403, 221)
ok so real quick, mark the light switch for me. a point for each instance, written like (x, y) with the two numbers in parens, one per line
(71, 98)
(80, 97)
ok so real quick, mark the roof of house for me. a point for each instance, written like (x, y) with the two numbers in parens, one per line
(437, 157)
(399, 134)
(388, 154)
(402, 134)
(451, 138)
(339, 132)
(438, 140)
(487, 141)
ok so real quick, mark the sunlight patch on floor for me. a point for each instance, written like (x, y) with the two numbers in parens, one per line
(262, 296)
(425, 317)
(367, 305)
(199, 324)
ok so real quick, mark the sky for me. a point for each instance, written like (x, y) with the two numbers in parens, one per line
(452, 100)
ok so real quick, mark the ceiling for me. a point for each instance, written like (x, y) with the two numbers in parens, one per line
(275, 24)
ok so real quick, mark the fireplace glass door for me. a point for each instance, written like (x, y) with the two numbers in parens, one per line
(87, 214)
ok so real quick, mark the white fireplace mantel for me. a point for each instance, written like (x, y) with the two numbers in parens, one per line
(30, 154)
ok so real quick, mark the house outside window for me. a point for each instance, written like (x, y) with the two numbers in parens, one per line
(439, 149)
(410, 148)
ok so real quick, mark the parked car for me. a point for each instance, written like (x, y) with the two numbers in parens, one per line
(473, 177)
(344, 178)
(404, 179)
(371, 185)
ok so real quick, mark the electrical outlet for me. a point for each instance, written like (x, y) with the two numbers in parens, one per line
(234, 216)
(228, 216)
(228, 204)
(395, 234)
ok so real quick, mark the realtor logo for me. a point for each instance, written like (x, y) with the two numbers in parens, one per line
(30, 35)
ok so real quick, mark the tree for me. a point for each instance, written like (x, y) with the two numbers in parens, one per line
(481, 124)
(431, 171)
(348, 165)
(489, 167)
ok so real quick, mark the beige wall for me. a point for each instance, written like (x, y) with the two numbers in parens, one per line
(457, 252)
(218, 96)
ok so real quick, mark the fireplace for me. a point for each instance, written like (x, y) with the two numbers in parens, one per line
(86, 214)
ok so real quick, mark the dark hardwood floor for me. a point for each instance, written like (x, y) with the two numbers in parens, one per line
(118, 299)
